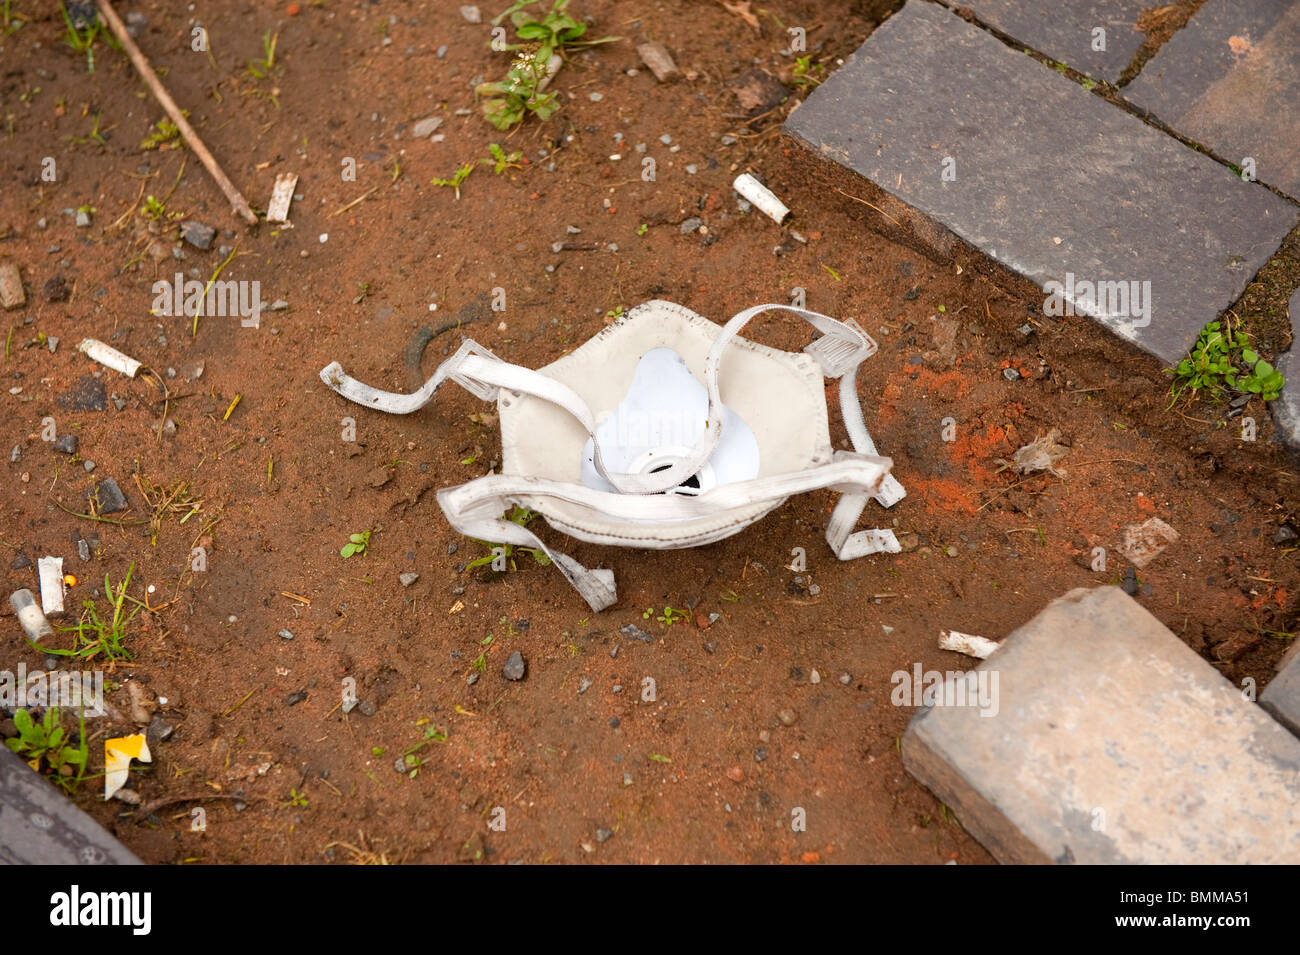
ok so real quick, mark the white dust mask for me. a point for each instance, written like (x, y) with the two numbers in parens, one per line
(663, 431)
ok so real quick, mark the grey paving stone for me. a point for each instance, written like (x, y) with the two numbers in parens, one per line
(1051, 180)
(1230, 80)
(1111, 742)
(1281, 698)
(1286, 409)
(1063, 30)
(40, 826)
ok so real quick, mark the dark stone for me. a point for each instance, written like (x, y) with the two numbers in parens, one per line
(21, 562)
(1063, 30)
(197, 234)
(159, 731)
(1050, 180)
(56, 289)
(1230, 80)
(758, 91)
(1130, 582)
(293, 699)
(1286, 409)
(88, 394)
(1284, 534)
(66, 444)
(40, 826)
(515, 667)
(633, 632)
(107, 497)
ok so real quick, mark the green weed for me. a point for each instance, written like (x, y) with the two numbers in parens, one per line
(357, 544)
(47, 743)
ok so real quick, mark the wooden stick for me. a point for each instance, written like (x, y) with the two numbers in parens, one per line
(150, 78)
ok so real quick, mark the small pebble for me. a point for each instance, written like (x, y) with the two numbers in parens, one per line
(285, 635)
(515, 667)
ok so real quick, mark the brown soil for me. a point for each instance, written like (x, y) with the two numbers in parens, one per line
(708, 771)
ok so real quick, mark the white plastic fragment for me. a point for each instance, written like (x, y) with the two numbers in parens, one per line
(757, 193)
(50, 571)
(109, 357)
(29, 615)
(981, 648)
(1144, 542)
(277, 210)
(118, 754)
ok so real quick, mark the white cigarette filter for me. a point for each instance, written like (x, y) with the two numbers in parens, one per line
(29, 615)
(50, 571)
(762, 197)
(109, 357)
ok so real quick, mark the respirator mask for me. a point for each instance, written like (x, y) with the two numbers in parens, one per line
(663, 431)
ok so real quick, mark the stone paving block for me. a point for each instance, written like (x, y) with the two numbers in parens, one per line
(1282, 695)
(1047, 178)
(1064, 30)
(1111, 742)
(1230, 80)
(40, 826)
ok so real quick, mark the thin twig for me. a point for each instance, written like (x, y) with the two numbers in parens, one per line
(359, 198)
(174, 112)
(877, 208)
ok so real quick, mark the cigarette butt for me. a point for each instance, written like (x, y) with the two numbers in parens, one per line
(109, 357)
(762, 197)
(30, 616)
(50, 571)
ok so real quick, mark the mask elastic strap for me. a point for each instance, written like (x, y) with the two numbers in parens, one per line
(482, 374)
(476, 508)
(840, 349)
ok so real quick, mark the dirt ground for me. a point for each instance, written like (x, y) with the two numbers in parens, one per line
(741, 735)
